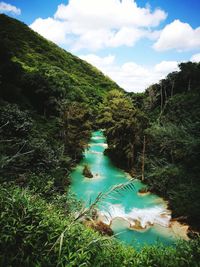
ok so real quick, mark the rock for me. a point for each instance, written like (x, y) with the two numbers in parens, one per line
(132, 172)
(99, 226)
(137, 226)
(143, 191)
(180, 230)
(86, 172)
(103, 228)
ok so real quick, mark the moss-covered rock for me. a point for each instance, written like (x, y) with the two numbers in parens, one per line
(87, 172)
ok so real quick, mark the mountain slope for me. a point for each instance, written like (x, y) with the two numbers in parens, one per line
(46, 68)
(48, 101)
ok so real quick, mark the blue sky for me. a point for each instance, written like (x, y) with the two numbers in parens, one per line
(136, 43)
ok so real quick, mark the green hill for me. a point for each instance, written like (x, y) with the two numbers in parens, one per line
(41, 70)
(49, 99)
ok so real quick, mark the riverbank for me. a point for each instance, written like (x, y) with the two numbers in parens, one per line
(140, 214)
(193, 226)
(179, 224)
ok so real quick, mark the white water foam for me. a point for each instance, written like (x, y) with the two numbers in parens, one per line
(139, 218)
(93, 152)
(99, 144)
(97, 137)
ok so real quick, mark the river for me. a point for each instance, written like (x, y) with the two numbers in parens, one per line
(135, 219)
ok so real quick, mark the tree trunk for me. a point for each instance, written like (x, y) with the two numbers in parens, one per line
(165, 94)
(133, 156)
(161, 98)
(143, 156)
(172, 90)
(189, 85)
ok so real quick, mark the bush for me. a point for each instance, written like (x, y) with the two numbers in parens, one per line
(35, 233)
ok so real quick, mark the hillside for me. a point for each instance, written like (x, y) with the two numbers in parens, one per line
(48, 100)
(42, 69)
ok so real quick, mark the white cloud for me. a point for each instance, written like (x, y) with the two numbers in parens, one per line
(108, 14)
(178, 35)
(195, 58)
(51, 29)
(96, 24)
(165, 67)
(99, 62)
(126, 36)
(131, 76)
(7, 8)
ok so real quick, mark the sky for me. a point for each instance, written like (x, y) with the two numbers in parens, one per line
(134, 42)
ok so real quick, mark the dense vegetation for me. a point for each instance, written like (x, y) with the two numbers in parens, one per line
(159, 131)
(31, 228)
(42, 73)
(48, 102)
(48, 99)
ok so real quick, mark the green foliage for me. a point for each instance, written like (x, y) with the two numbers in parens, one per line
(13, 121)
(124, 126)
(77, 128)
(164, 177)
(167, 114)
(25, 144)
(42, 73)
(40, 235)
(173, 143)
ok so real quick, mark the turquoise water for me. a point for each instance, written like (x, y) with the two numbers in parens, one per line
(121, 206)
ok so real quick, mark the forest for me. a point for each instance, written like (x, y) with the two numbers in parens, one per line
(50, 102)
(164, 120)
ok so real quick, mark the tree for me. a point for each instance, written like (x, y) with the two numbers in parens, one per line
(77, 128)
(124, 126)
